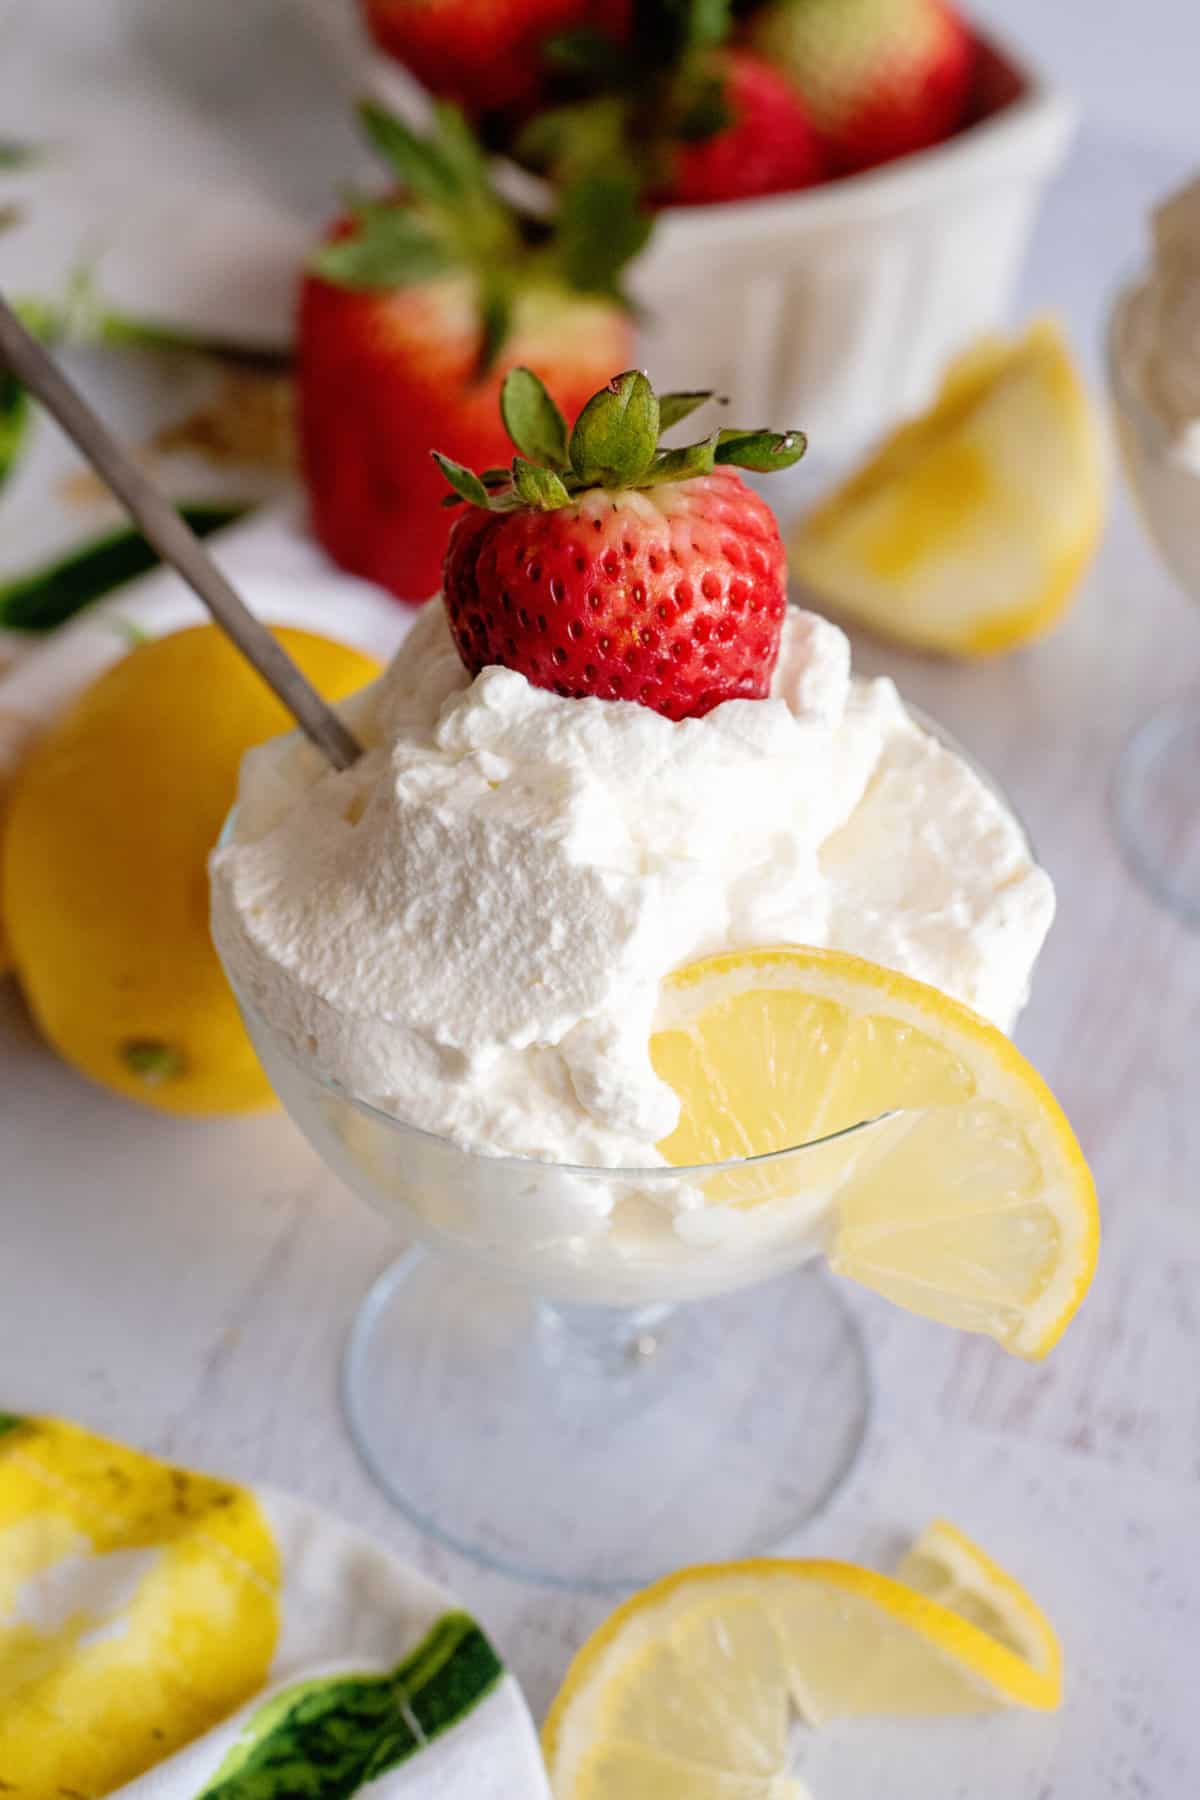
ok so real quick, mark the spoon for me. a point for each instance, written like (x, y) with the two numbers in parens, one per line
(174, 540)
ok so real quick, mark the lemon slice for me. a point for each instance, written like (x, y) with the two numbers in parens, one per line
(968, 529)
(689, 1688)
(945, 1565)
(967, 1199)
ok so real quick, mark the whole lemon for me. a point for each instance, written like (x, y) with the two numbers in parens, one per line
(105, 887)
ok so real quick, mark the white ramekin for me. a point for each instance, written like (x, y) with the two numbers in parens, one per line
(835, 308)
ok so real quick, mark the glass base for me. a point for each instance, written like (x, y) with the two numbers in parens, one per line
(594, 1448)
(1156, 799)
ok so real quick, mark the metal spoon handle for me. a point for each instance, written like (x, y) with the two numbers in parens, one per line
(174, 540)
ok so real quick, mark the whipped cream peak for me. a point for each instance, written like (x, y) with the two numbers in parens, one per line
(469, 927)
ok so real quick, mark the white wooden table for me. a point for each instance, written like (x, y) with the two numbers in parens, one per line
(189, 1286)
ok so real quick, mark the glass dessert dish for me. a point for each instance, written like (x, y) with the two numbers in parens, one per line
(584, 1377)
(530, 1386)
(613, 792)
(1156, 795)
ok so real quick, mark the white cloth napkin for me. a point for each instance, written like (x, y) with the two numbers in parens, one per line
(231, 1643)
(352, 1612)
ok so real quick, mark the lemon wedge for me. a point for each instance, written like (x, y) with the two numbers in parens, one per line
(945, 1565)
(966, 1199)
(968, 529)
(689, 1688)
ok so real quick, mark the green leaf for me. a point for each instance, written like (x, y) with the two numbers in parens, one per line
(601, 226)
(532, 420)
(10, 1422)
(460, 151)
(666, 30)
(584, 136)
(764, 451)
(430, 170)
(495, 315)
(616, 434)
(45, 321)
(121, 329)
(46, 597)
(464, 481)
(329, 1737)
(587, 51)
(538, 486)
(704, 108)
(391, 248)
(672, 408)
(708, 22)
(682, 464)
(14, 423)
(16, 153)
(44, 318)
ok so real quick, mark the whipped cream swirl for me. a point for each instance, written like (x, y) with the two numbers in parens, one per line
(469, 928)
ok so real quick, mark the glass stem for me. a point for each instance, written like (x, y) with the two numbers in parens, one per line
(618, 1339)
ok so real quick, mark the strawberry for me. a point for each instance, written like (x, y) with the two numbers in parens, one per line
(760, 139)
(604, 566)
(880, 78)
(414, 309)
(485, 54)
(698, 119)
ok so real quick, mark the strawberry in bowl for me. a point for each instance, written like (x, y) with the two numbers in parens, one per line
(696, 117)
(485, 54)
(752, 134)
(601, 565)
(880, 78)
(410, 315)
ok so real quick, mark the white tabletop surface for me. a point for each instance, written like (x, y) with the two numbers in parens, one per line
(189, 1286)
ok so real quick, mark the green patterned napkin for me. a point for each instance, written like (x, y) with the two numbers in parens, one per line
(166, 1635)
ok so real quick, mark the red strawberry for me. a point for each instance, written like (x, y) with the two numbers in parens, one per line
(610, 568)
(393, 330)
(763, 144)
(485, 54)
(880, 78)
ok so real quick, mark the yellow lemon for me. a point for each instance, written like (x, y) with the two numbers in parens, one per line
(967, 1199)
(968, 529)
(686, 1693)
(138, 1606)
(105, 889)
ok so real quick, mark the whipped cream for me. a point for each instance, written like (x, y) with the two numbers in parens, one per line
(469, 927)
(1160, 351)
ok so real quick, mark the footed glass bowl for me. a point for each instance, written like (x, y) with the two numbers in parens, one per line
(1156, 794)
(586, 1377)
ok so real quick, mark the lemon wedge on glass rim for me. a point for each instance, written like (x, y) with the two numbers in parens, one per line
(968, 1200)
(688, 1690)
(968, 529)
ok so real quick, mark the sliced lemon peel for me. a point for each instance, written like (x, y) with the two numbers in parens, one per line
(871, 1627)
(972, 1204)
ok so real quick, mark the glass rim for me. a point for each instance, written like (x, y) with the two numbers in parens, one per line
(592, 1172)
(608, 1172)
